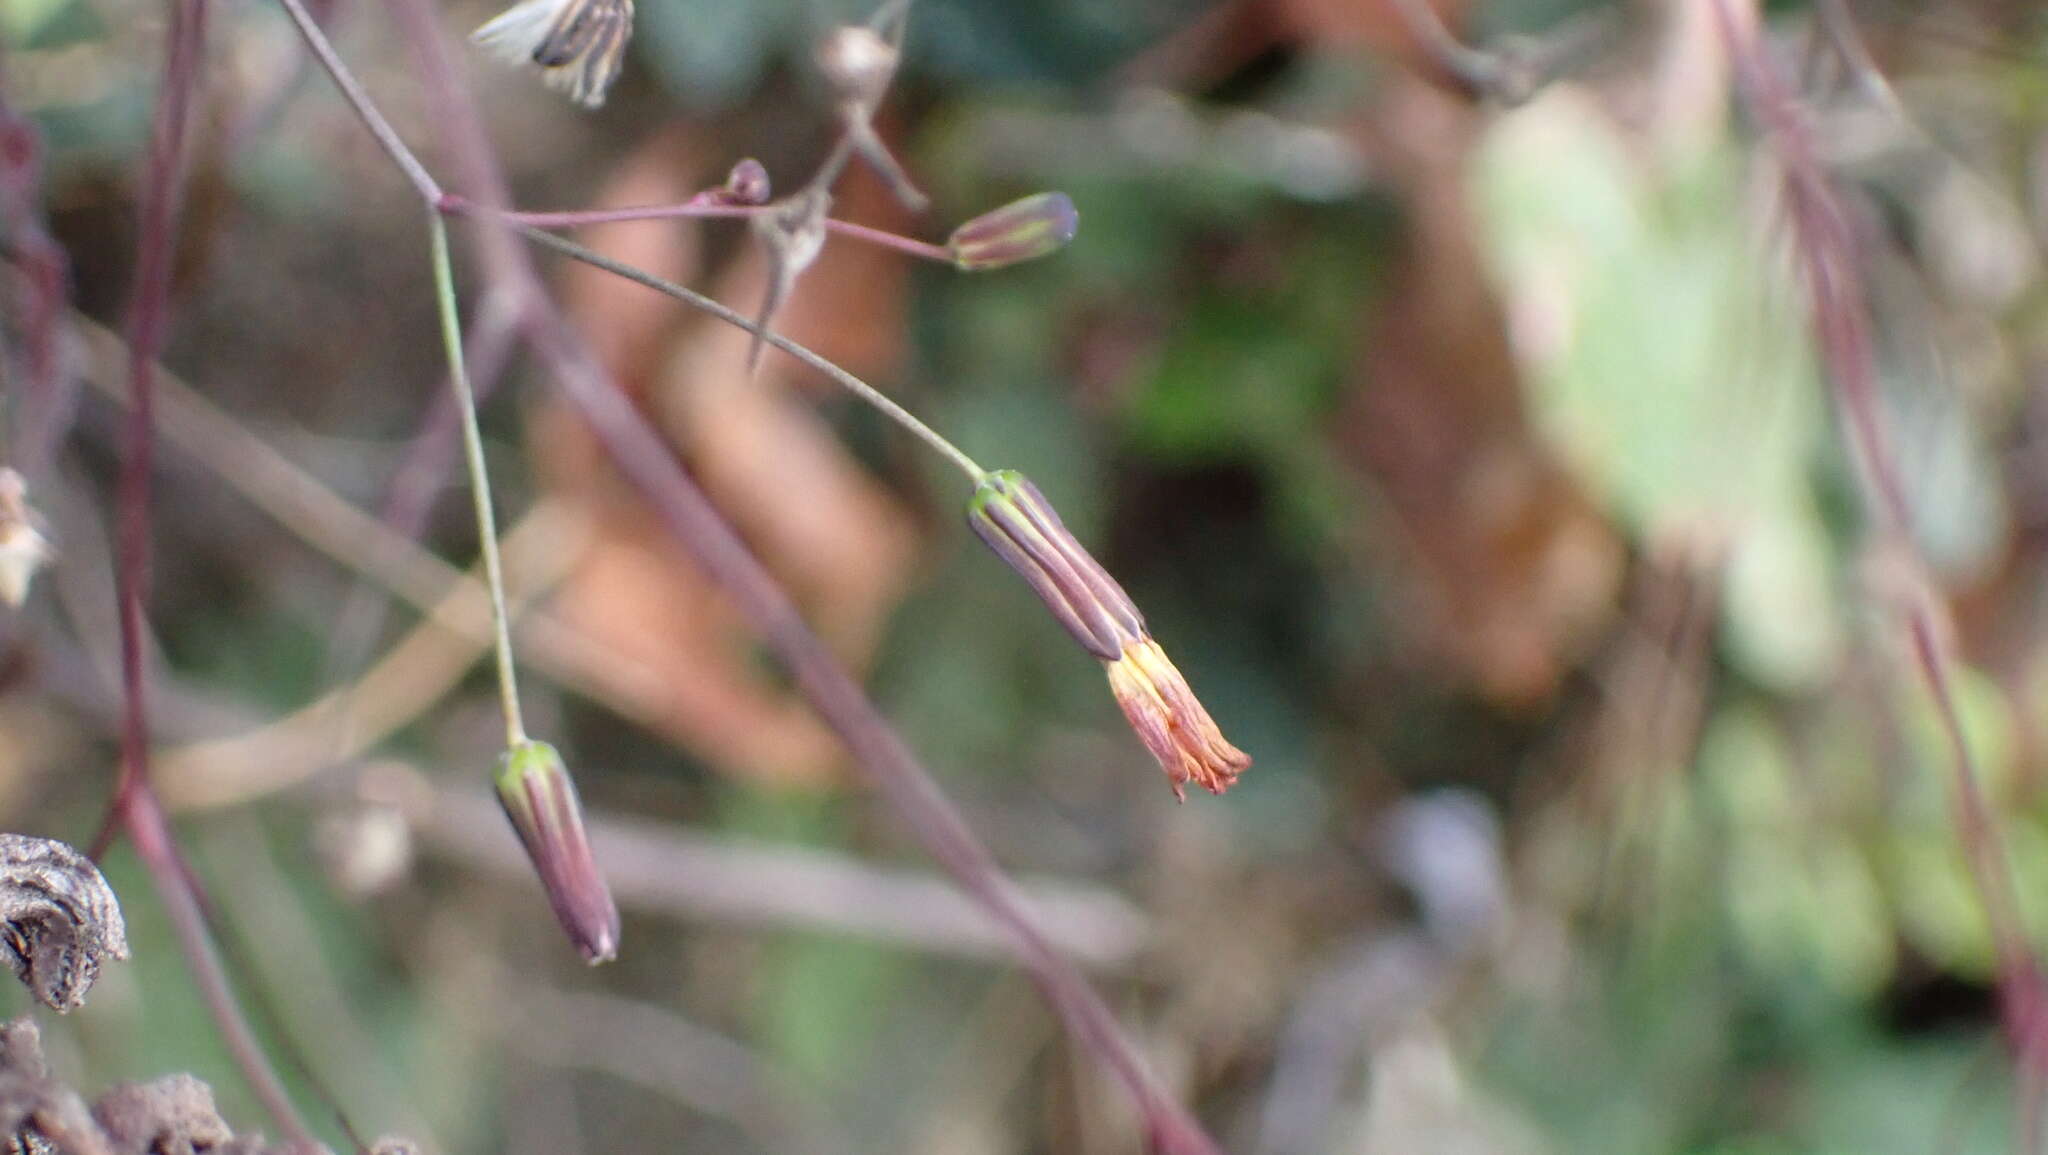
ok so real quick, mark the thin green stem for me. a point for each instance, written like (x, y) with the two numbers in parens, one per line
(479, 479)
(694, 299)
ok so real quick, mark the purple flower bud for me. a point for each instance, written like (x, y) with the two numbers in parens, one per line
(1012, 518)
(1024, 230)
(747, 183)
(540, 799)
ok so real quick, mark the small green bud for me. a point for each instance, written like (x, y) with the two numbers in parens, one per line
(540, 798)
(1025, 230)
(1012, 518)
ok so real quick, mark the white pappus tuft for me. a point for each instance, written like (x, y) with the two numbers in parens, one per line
(579, 45)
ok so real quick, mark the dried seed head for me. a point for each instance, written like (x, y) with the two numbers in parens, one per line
(1023, 230)
(1171, 722)
(1012, 518)
(793, 232)
(39, 1115)
(58, 919)
(858, 64)
(172, 1114)
(23, 548)
(580, 45)
(540, 798)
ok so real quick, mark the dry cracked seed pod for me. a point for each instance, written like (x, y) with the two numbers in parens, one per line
(38, 1115)
(173, 1115)
(58, 917)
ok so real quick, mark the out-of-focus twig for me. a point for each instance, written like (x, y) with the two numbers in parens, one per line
(135, 807)
(909, 246)
(654, 1048)
(41, 405)
(306, 507)
(657, 867)
(1511, 72)
(1825, 245)
(415, 674)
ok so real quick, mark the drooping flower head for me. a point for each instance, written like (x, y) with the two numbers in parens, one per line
(1171, 722)
(1013, 519)
(540, 798)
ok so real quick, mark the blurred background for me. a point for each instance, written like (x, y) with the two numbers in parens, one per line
(1471, 459)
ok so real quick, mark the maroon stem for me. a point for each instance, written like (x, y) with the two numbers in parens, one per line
(640, 453)
(135, 806)
(923, 250)
(43, 405)
(1825, 242)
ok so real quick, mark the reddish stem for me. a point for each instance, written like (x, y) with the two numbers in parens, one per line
(1825, 242)
(135, 805)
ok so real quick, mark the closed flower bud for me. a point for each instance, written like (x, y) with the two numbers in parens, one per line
(540, 798)
(1014, 519)
(1024, 230)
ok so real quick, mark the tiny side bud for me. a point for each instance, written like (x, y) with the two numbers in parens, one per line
(748, 183)
(1023, 230)
(540, 799)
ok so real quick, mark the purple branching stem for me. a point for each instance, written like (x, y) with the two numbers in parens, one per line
(1825, 245)
(922, 250)
(358, 99)
(649, 463)
(135, 807)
